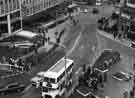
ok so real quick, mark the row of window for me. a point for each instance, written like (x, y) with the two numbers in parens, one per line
(51, 80)
(62, 85)
(30, 7)
(15, 22)
(131, 1)
(67, 70)
(8, 6)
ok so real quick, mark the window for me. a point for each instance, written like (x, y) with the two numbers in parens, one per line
(46, 89)
(3, 28)
(16, 25)
(62, 75)
(62, 85)
(15, 15)
(131, 1)
(1, 7)
(50, 80)
(132, 28)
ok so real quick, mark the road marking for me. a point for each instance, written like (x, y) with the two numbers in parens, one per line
(27, 88)
(75, 44)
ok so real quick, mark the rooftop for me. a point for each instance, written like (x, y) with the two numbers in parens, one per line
(60, 65)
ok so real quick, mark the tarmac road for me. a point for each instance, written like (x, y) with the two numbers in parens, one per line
(89, 46)
(83, 53)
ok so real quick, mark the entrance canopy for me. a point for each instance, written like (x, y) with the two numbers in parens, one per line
(26, 34)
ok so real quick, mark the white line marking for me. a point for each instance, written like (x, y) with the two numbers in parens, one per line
(79, 69)
(75, 44)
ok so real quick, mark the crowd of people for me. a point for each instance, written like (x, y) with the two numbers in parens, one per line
(114, 26)
(18, 63)
(93, 79)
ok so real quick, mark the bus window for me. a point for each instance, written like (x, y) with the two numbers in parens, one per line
(50, 80)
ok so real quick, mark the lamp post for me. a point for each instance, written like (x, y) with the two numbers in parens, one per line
(65, 57)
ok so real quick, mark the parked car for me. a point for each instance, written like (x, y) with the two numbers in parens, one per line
(12, 88)
(122, 76)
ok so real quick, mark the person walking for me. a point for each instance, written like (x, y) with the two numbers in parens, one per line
(3, 59)
(105, 77)
(125, 94)
(134, 67)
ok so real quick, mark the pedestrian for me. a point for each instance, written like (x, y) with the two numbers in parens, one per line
(131, 94)
(84, 68)
(134, 67)
(46, 30)
(94, 84)
(100, 79)
(36, 48)
(11, 61)
(56, 34)
(88, 70)
(105, 77)
(3, 59)
(19, 62)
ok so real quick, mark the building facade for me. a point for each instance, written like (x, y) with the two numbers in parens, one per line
(31, 7)
(12, 12)
(128, 15)
(10, 16)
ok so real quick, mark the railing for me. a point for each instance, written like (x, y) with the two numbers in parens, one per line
(34, 7)
(7, 7)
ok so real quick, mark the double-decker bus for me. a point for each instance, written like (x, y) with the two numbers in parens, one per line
(57, 79)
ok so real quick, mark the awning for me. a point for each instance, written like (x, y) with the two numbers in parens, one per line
(26, 34)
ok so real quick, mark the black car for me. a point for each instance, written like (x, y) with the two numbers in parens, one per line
(95, 11)
(122, 76)
(12, 88)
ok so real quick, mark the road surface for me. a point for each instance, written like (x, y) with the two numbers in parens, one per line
(86, 46)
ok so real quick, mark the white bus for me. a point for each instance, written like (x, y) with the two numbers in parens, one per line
(57, 79)
(38, 79)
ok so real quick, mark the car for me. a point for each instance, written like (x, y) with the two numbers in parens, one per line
(14, 87)
(122, 76)
(95, 11)
(107, 59)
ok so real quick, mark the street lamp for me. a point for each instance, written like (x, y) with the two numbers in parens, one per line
(65, 57)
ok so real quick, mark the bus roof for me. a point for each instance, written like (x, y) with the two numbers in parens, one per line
(58, 68)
